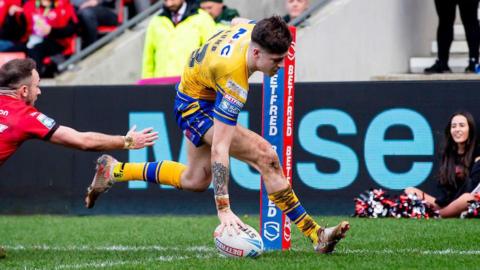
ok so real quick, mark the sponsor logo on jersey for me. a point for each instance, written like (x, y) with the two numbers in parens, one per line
(3, 113)
(3, 128)
(233, 101)
(231, 105)
(229, 108)
(237, 89)
(45, 120)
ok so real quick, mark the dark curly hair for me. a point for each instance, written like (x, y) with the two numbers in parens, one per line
(272, 34)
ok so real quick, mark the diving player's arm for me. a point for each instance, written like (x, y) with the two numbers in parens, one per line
(95, 141)
(222, 138)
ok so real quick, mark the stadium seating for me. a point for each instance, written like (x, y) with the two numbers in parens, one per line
(69, 51)
(458, 53)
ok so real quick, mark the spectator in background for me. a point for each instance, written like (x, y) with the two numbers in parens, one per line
(92, 14)
(459, 169)
(172, 35)
(12, 26)
(294, 9)
(446, 17)
(219, 12)
(51, 28)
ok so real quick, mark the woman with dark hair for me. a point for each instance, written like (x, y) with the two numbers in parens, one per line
(459, 169)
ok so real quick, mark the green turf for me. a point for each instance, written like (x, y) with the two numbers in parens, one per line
(185, 242)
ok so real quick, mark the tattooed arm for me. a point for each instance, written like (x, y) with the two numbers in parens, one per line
(222, 138)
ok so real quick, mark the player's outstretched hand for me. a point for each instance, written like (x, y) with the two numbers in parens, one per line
(141, 139)
(230, 222)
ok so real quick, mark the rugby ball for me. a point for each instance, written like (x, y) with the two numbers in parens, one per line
(246, 244)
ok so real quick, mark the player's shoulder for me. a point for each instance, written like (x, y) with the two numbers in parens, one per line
(229, 58)
(12, 103)
(16, 109)
(27, 112)
(226, 53)
(242, 28)
(229, 46)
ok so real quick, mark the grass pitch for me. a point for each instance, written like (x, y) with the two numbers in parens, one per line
(185, 242)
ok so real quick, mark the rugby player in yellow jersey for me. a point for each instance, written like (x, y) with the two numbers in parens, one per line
(213, 90)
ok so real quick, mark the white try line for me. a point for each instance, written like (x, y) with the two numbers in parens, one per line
(211, 249)
(110, 248)
(411, 251)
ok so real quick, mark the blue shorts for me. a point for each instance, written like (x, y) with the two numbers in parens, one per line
(193, 116)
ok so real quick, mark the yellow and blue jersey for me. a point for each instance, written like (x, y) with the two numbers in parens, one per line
(217, 72)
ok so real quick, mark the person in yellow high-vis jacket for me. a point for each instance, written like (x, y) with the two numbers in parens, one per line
(172, 35)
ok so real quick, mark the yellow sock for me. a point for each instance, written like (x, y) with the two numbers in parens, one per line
(170, 173)
(165, 172)
(128, 171)
(288, 202)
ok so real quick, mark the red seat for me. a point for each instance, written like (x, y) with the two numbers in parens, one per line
(103, 29)
(7, 56)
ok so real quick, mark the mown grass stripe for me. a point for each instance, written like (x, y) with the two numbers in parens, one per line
(211, 249)
(105, 264)
(186, 242)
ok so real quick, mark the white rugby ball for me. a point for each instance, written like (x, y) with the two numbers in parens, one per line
(246, 244)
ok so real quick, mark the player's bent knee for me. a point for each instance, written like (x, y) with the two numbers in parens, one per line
(268, 159)
(196, 185)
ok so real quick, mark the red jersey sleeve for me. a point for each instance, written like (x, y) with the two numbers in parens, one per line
(38, 125)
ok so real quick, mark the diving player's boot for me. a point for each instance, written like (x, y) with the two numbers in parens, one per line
(102, 181)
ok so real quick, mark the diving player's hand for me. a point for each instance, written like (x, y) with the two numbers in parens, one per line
(229, 221)
(140, 139)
